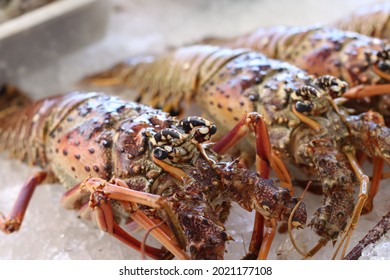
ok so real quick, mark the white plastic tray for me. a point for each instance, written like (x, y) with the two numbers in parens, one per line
(42, 35)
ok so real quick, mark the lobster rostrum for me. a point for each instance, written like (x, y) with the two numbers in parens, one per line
(305, 125)
(361, 61)
(127, 161)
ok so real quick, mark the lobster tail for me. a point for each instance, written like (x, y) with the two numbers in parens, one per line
(169, 81)
(18, 126)
(370, 20)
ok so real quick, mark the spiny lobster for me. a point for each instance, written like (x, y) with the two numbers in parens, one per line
(124, 160)
(361, 61)
(306, 126)
(370, 20)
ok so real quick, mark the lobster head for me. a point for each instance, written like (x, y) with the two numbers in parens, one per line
(207, 184)
(252, 192)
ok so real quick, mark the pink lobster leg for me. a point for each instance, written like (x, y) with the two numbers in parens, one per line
(74, 198)
(102, 191)
(15, 218)
(363, 194)
(260, 243)
(362, 91)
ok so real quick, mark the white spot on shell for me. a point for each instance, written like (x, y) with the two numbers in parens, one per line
(204, 130)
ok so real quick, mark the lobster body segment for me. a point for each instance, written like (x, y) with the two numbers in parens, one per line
(318, 50)
(158, 165)
(222, 76)
(370, 20)
(305, 125)
(361, 61)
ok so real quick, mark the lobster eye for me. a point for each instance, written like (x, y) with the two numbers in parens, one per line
(383, 66)
(160, 153)
(303, 107)
(213, 129)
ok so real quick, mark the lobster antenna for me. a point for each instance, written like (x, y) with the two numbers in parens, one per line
(289, 223)
(146, 236)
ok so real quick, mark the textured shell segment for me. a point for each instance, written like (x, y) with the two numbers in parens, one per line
(318, 50)
(370, 20)
(253, 82)
(100, 136)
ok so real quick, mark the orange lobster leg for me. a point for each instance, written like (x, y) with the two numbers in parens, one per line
(260, 241)
(375, 181)
(15, 218)
(265, 158)
(257, 238)
(102, 191)
(363, 194)
(267, 240)
(362, 91)
(74, 198)
(377, 176)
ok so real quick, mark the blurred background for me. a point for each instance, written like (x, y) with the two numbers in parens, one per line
(104, 32)
(81, 37)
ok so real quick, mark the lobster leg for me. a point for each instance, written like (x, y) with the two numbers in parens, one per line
(385, 175)
(74, 198)
(376, 178)
(85, 212)
(15, 218)
(254, 122)
(265, 158)
(262, 164)
(260, 241)
(320, 244)
(102, 191)
(363, 194)
(270, 230)
(103, 217)
(362, 91)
